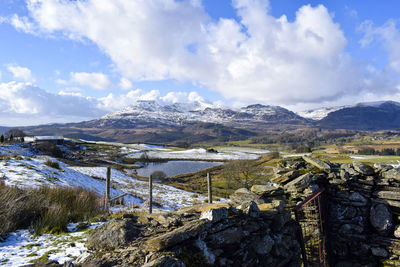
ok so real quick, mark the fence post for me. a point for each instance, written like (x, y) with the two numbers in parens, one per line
(150, 194)
(108, 185)
(209, 184)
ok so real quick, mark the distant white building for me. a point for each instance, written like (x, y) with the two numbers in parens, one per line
(58, 140)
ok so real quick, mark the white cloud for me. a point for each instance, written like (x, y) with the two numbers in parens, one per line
(125, 84)
(22, 24)
(257, 59)
(95, 80)
(21, 73)
(389, 35)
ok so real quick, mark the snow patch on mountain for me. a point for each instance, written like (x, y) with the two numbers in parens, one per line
(318, 114)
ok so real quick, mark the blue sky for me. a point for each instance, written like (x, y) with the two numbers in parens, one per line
(64, 61)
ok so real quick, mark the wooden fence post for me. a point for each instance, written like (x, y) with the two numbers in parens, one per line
(150, 194)
(108, 185)
(209, 184)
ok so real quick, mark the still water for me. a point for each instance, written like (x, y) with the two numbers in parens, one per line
(175, 167)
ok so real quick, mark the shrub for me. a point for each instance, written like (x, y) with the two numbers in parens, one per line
(49, 149)
(45, 209)
(52, 164)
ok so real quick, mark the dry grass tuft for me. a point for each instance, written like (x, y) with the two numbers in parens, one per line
(45, 209)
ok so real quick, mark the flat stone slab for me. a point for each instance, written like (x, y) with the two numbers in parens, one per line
(320, 164)
(393, 195)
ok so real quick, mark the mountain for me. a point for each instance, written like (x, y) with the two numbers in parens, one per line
(319, 113)
(149, 121)
(382, 115)
(151, 113)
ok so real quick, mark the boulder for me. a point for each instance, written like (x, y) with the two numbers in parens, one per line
(215, 215)
(113, 234)
(300, 183)
(397, 231)
(165, 261)
(228, 236)
(243, 195)
(263, 245)
(393, 195)
(382, 167)
(267, 191)
(349, 169)
(363, 168)
(320, 164)
(392, 174)
(357, 199)
(381, 218)
(379, 252)
(190, 230)
(286, 177)
(250, 208)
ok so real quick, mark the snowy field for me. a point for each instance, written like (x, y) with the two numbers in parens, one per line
(21, 247)
(20, 167)
(198, 154)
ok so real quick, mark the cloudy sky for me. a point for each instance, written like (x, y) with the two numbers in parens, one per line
(74, 60)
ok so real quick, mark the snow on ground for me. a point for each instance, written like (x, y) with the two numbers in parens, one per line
(15, 149)
(32, 172)
(167, 197)
(199, 154)
(22, 247)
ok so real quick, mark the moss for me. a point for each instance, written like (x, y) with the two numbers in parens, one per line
(33, 254)
(192, 259)
(29, 246)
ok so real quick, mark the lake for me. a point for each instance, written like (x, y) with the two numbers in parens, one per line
(176, 167)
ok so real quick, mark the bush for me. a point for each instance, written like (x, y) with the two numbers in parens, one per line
(49, 149)
(52, 164)
(45, 209)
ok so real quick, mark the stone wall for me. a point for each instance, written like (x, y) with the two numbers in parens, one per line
(363, 208)
(248, 234)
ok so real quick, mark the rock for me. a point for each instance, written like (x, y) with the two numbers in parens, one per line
(393, 195)
(263, 246)
(267, 191)
(243, 195)
(382, 167)
(397, 231)
(347, 229)
(166, 220)
(381, 218)
(363, 168)
(228, 236)
(113, 234)
(392, 174)
(286, 177)
(165, 261)
(349, 169)
(379, 252)
(344, 175)
(358, 199)
(320, 164)
(190, 230)
(250, 208)
(300, 183)
(215, 215)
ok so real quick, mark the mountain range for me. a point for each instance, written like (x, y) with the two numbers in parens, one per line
(149, 121)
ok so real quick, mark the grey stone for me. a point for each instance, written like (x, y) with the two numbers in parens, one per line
(165, 261)
(215, 215)
(250, 208)
(392, 174)
(320, 164)
(381, 218)
(357, 197)
(397, 231)
(393, 195)
(363, 168)
(229, 236)
(379, 252)
(382, 167)
(300, 183)
(263, 246)
(112, 234)
(244, 195)
(267, 191)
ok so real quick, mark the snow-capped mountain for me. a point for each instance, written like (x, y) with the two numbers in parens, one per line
(183, 113)
(319, 113)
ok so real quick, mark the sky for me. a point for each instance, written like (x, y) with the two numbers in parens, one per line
(76, 60)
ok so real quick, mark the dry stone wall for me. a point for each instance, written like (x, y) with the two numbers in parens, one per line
(363, 208)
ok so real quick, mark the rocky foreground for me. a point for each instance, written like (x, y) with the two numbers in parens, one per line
(361, 225)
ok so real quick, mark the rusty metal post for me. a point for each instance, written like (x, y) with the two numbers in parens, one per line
(150, 194)
(108, 185)
(209, 184)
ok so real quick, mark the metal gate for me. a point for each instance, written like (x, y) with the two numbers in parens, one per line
(310, 214)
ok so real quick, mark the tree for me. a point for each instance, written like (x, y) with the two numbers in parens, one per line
(14, 132)
(244, 172)
(2, 138)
